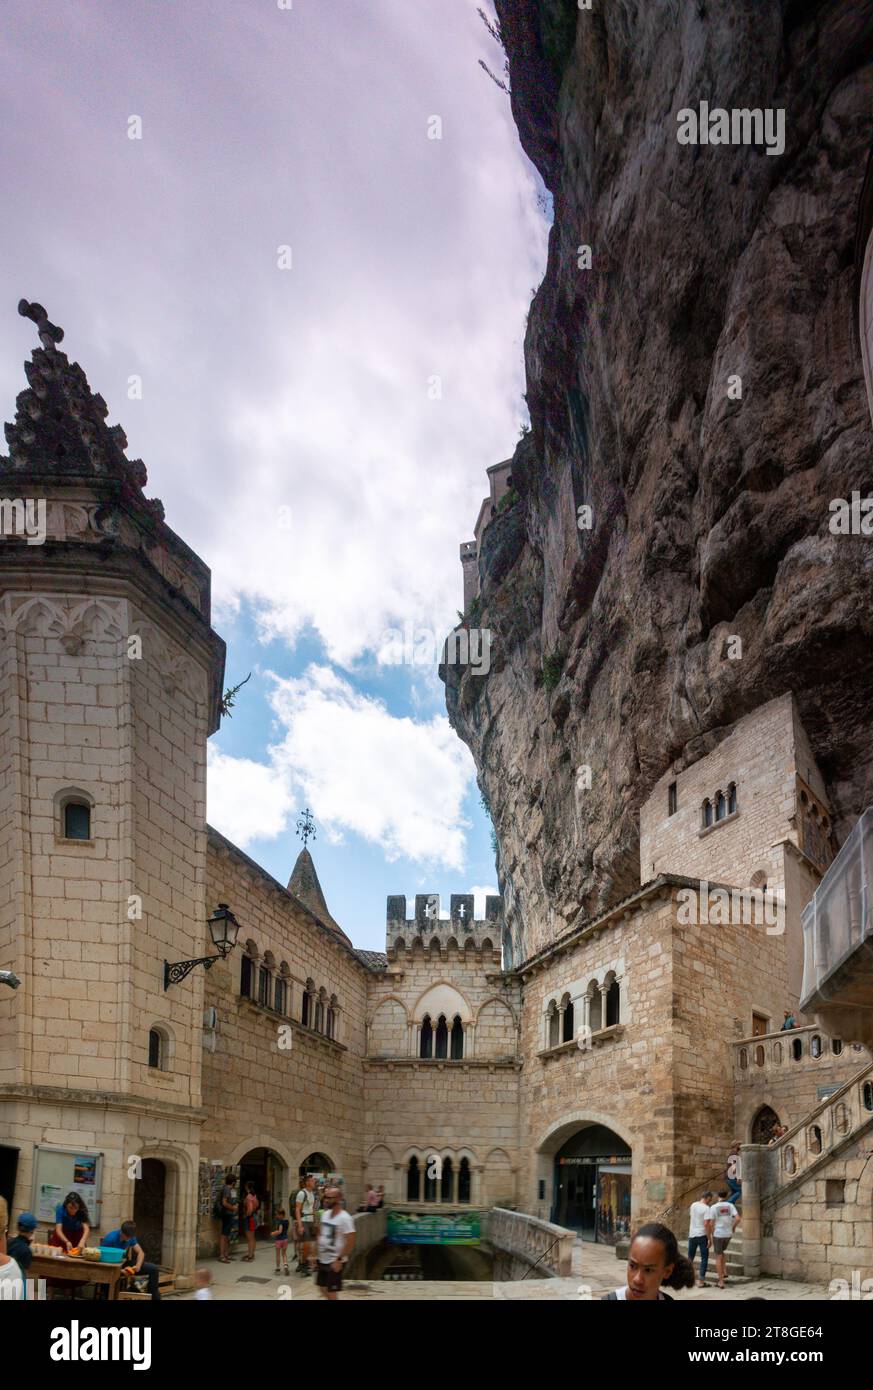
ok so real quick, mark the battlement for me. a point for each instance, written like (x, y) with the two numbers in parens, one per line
(468, 550)
(427, 925)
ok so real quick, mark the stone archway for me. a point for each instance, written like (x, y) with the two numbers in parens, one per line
(585, 1176)
(170, 1203)
(764, 1121)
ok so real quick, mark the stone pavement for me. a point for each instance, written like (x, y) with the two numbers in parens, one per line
(595, 1271)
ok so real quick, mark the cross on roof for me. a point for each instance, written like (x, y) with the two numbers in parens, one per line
(49, 334)
(306, 826)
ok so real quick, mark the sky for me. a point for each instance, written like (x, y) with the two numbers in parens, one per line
(293, 245)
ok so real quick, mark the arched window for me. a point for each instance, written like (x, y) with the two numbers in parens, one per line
(431, 1169)
(280, 998)
(319, 1012)
(77, 820)
(836, 1046)
(759, 1056)
(156, 1049)
(595, 1007)
(789, 1158)
(247, 977)
(707, 813)
(331, 1016)
(720, 806)
(307, 1012)
(426, 1049)
(744, 1059)
(413, 1181)
(554, 1024)
(464, 1181)
(567, 1031)
(814, 1139)
(447, 1181)
(613, 1004)
(507, 949)
(815, 1045)
(777, 1053)
(732, 798)
(841, 1118)
(457, 1049)
(763, 1125)
(441, 1048)
(796, 1050)
(264, 986)
(868, 1095)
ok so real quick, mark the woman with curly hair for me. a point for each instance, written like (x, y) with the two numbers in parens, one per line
(654, 1259)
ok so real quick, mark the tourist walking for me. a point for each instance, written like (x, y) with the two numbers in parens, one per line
(698, 1238)
(336, 1239)
(280, 1235)
(734, 1174)
(653, 1261)
(721, 1223)
(250, 1206)
(228, 1208)
(304, 1219)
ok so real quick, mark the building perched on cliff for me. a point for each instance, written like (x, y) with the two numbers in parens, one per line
(591, 1080)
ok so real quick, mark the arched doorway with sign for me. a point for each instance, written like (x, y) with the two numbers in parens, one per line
(591, 1190)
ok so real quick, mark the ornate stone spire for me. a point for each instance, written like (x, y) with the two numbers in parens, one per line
(305, 886)
(60, 432)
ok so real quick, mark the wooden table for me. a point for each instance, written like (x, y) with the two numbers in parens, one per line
(76, 1271)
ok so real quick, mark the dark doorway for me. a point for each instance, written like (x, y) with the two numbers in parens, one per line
(592, 1185)
(763, 1125)
(148, 1208)
(8, 1172)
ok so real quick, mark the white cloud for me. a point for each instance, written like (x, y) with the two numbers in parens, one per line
(396, 782)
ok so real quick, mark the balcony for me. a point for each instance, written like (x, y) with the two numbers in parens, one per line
(838, 940)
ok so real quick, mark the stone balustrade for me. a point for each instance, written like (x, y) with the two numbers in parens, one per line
(528, 1243)
(825, 1128)
(809, 1046)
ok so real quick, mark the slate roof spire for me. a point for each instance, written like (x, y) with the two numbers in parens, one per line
(60, 432)
(304, 884)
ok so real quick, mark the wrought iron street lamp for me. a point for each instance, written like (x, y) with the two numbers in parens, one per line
(224, 929)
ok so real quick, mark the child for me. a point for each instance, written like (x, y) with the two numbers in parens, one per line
(281, 1237)
(202, 1280)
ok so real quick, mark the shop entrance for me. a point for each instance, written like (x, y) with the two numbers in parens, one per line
(266, 1171)
(592, 1185)
(148, 1208)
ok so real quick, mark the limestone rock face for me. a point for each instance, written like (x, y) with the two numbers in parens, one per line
(610, 645)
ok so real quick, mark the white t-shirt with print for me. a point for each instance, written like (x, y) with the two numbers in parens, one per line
(723, 1213)
(11, 1270)
(332, 1235)
(699, 1214)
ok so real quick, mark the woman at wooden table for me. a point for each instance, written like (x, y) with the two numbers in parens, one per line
(72, 1224)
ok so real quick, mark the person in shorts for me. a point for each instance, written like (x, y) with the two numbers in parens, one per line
(305, 1224)
(336, 1239)
(229, 1208)
(280, 1236)
(698, 1239)
(720, 1225)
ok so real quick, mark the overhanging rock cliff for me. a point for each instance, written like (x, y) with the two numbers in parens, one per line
(710, 512)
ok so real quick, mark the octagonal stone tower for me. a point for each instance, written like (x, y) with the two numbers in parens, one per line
(110, 684)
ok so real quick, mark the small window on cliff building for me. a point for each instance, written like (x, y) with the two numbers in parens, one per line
(246, 976)
(672, 799)
(732, 799)
(707, 814)
(720, 806)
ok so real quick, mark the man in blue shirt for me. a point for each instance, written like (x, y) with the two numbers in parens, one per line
(125, 1239)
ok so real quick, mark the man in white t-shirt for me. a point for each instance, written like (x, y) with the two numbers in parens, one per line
(721, 1223)
(336, 1240)
(304, 1225)
(698, 1238)
(11, 1279)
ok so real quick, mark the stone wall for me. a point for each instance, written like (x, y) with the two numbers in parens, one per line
(821, 1230)
(767, 1072)
(271, 1082)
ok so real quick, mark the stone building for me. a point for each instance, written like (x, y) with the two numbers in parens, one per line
(592, 1080)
